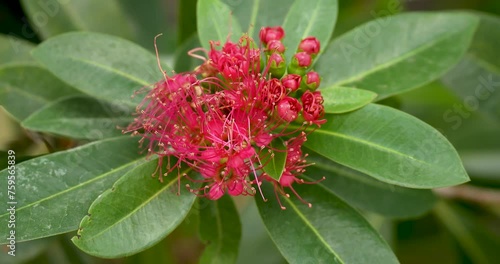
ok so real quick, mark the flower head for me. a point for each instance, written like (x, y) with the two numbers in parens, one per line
(221, 118)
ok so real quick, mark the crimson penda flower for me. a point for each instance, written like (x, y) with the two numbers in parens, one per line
(224, 118)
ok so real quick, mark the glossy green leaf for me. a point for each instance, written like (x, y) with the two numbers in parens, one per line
(391, 146)
(256, 246)
(151, 19)
(394, 54)
(215, 22)
(255, 14)
(479, 243)
(54, 191)
(102, 66)
(50, 18)
(328, 232)
(15, 50)
(367, 193)
(342, 99)
(315, 18)
(220, 228)
(135, 214)
(183, 61)
(476, 79)
(26, 88)
(80, 117)
(275, 161)
(186, 20)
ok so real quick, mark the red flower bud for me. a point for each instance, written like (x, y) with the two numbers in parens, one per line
(216, 192)
(287, 179)
(291, 81)
(312, 102)
(311, 80)
(267, 34)
(277, 65)
(235, 188)
(289, 108)
(300, 62)
(303, 59)
(310, 45)
(275, 46)
(277, 60)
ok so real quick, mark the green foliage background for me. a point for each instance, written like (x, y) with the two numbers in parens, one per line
(456, 225)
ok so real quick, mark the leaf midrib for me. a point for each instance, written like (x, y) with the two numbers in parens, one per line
(20, 90)
(313, 229)
(390, 63)
(253, 17)
(154, 196)
(219, 229)
(312, 21)
(362, 141)
(109, 69)
(78, 185)
(51, 121)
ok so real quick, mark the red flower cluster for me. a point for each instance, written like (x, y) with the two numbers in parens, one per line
(223, 118)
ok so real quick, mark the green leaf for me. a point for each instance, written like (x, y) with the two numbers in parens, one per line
(477, 77)
(342, 99)
(80, 117)
(215, 23)
(255, 14)
(275, 161)
(183, 61)
(328, 232)
(14, 50)
(256, 246)
(135, 214)
(391, 146)
(315, 18)
(394, 54)
(102, 66)
(53, 192)
(26, 88)
(367, 193)
(479, 243)
(220, 228)
(50, 18)
(186, 20)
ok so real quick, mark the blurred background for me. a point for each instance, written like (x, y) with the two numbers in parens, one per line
(464, 227)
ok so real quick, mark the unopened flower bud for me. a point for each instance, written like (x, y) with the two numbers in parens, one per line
(310, 45)
(235, 188)
(289, 108)
(277, 65)
(267, 34)
(275, 46)
(287, 179)
(291, 81)
(216, 192)
(311, 80)
(300, 62)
